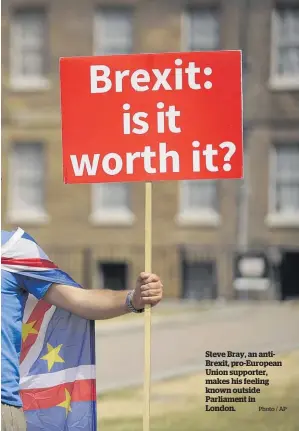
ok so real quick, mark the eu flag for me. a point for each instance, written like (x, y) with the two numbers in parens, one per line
(57, 363)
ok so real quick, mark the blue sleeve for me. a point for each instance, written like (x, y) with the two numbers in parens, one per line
(36, 287)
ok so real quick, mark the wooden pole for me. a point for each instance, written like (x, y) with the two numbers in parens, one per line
(147, 311)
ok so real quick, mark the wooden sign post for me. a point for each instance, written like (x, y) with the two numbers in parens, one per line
(147, 310)
(151, 117)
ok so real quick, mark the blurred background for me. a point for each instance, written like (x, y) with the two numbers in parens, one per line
(227, 251)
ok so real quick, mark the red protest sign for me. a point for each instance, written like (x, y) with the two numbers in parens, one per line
(150, 117)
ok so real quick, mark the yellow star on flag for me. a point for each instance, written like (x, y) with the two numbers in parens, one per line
(27, 329)
(52, 356)
(66, 404)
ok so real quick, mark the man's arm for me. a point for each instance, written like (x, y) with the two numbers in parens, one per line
(105, 304)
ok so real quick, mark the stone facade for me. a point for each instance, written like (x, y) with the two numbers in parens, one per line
(269, 115)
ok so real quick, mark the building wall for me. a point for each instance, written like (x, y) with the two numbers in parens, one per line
(269, 115)
(272, 115)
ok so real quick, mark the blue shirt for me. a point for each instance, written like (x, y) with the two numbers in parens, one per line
(14, 292)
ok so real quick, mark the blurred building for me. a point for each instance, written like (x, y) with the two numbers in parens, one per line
(97, 232)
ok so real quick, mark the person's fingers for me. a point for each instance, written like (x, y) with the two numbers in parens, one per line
(153, 278)
(144, 275)
(151, 286)
(151, 300)
(148, 278)
(150, 293)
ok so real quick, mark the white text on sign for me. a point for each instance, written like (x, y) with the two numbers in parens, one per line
(113, 163)
(139, 119)
(161, 118)
(141, 80)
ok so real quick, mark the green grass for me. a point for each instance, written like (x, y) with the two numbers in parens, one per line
(178, 405)
(195, 419)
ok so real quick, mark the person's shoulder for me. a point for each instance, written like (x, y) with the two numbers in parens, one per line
(39, 251)
(20, 234)
(27, 236)
(6, 235)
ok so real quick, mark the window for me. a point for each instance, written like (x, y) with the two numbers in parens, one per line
(113, 275)
(201, 30)
(198, 202)
(199, 195)
(198, 199)
(113, 32)
(285, 48)
(26, 183)
(111, 204)
(28, 49)
(199, 280)
(112, 35)
(284, 183)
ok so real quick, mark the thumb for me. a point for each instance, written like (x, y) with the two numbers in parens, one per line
(143, 276)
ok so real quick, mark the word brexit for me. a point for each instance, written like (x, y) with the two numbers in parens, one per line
(103, 80)
(113, 163)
